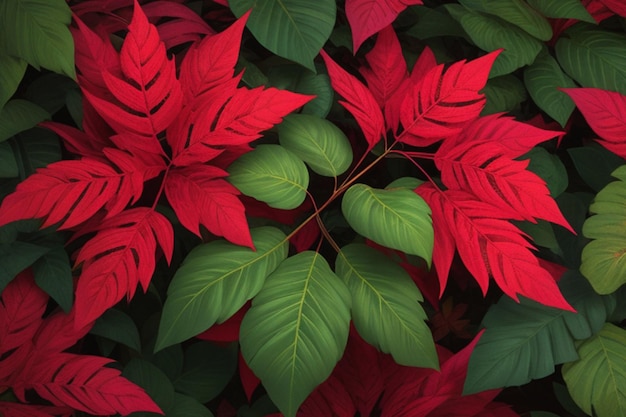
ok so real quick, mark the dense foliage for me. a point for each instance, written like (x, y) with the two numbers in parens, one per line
(333, 208)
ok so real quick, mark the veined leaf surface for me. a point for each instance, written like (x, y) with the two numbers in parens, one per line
(19, 115)
(397, 326)
(396, 218)
(297, 329)
(215, 280)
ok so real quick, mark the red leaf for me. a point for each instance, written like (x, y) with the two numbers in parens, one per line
(200, 196)
(367, 17)
(8, 409)
(306, 236)
(617, 6)
(387, 68)
(211, 63)
(120, 256)
(490, 246)
(79, 142)
(605, 111)
(249, 380)
(183, 24)
(442, 103)
(84, 383)
(227, 331)
(70, 192)
(328, 399)
(58, 333)
(358, 100)
(484, 168)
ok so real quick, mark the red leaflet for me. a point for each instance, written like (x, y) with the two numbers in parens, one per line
(485, 168)
(183, 24)
(490, 246)
(70, 192)
(120, 256)
(616, 6)
(605, 111)
(358, 100)
(328, 399)
(442, 103)
(200, 196)
(58, 333)
(77, 141)
(227, 331)
(367, 17)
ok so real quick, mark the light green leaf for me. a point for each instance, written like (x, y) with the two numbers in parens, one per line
(215, 280)
(604, 258)
(490, 33)
(117, 326)
(318, 142)
(597, 382)
(525, 341)
(53, 274)
(385, 306)
(11, 73)
(297, 329)
(593, 57)
(272, 174)
(595, 164)
(19, 115)
(293, 29)
(208, 369)
(550, 168)
(503, 93)
(516, 12)
(396, 218)
(37, 31)
(408, 183)
(543, 79)
(8, 165)
(295, 78)
(562, 9)
(15, 257)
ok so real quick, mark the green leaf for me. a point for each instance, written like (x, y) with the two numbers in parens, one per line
(50, 90)
(74, 103)
(490, 33)
(385, 306)
(11, 73)
(318, 142)
(186, 406)
(543, 80)
(215, 281)
(504, 94)
(432, 23)
(295, 78)
(550, 168)
(597, 382)
(37, 31)
(525, 341)
(154, 381)
(272, 174)
(293, 29)
(35, 148)
(297, 329)
(595, 164)
(8, 164)
(604, 258)
(593, 57)
(542, 234)
(19, 115)
(15, 257)
(208, 369)
(562, 9)
(53, 274)
(408, 183)
(396, 218)
(516, 12)
(118, 327)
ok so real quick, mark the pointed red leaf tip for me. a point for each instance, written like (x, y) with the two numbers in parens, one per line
(367, 17)
(605, 112)
(358, 100)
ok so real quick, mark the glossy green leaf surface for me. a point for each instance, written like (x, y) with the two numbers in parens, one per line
(526, 341)
(19, 115)
(562, 9)
(318, 142)
(543, 79)
(604, 258)
(594, 57)
(297, 329)
(37, 31)
(272, 174)
(293, 29)
(597, 382)
(489, 34)
(215, 281)
(396, 218)
(397, 325)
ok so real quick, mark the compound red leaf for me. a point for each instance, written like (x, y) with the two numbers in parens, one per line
(328, 399)
(367, 17)
(358, 100)
(71, 192)
(117, 258)
(200, 196)
(485, 169)
(183, 24)
(605, 111)
(58, 333)
(443, 102)
(490, 246)
(616, 6)
(28, 410)
(79, 142)
(84, 383)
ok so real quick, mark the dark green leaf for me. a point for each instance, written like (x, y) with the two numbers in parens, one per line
(504, 94)
(550, 168)
(11, 72)
(19, 115)
(119, 327)
(50, 90)
(432, 23)
(185, 406)
(295, 78)
(562, 9)
(156, 384)
(8, 165)
(35, 148)
(595, 164)
(53, 274)
(15, 257)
